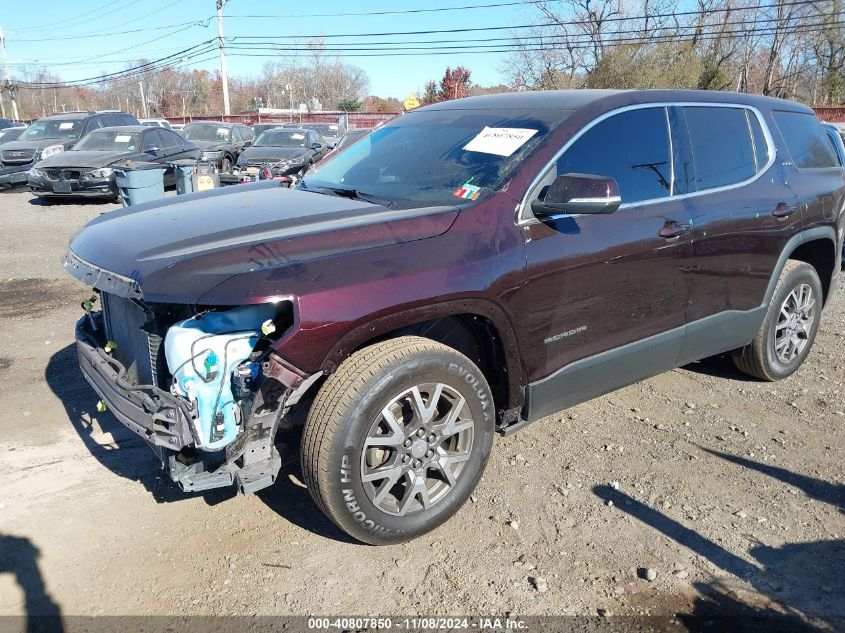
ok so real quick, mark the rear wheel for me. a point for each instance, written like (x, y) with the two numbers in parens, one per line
(792, 321)
(397, 439)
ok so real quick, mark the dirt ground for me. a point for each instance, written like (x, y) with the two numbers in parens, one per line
(730, 492)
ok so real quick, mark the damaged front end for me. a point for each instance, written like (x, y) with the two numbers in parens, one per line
(203, 388)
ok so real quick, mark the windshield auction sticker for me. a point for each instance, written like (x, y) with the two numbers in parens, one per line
(502, 141)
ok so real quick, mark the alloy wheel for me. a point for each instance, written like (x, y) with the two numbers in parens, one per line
(795, 321)
(417, 448)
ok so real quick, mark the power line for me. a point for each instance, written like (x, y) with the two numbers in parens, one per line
(551, 38)
(575, 44)
(196, 49)
(47, 27)
(95, 34)
(206, 21)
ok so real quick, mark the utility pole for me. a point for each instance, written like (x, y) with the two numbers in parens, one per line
(223, 73)
(7, 75)
(143, 99)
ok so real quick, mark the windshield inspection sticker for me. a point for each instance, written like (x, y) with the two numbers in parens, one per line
(297, 137)
(501, 141)
(467, 191)
(65, 126)
(122, 138)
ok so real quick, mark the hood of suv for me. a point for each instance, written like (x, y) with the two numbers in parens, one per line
(176, 250)
(25, 151)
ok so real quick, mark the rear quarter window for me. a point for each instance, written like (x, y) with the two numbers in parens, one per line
(805, 139)
(722, 147)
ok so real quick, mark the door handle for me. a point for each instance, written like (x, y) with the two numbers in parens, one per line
(673, 231)
(783, 210)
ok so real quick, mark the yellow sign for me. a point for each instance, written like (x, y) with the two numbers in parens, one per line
(412, 102)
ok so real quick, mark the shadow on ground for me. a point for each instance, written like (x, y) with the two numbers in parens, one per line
(800, 586)
(19, 557)
(130, 456)
(720, 366)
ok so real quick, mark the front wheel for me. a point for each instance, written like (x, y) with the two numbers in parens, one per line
(397, 438)
(226, 165)
(792, 321)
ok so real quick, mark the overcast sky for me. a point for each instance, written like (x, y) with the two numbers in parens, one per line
(97, 48)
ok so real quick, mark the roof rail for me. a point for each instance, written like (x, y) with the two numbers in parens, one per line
(103, 111)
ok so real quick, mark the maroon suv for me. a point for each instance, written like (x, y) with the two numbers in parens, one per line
(468, 268)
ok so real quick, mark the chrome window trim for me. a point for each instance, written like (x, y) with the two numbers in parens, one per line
(525, 217)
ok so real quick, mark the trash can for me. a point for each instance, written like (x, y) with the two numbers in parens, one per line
(139, 182)
(183, 171)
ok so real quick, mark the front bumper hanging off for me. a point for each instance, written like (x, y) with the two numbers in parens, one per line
(164, 421)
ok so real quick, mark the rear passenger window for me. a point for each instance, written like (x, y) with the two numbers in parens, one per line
(805, 140)
(631, 147)
(722, 149)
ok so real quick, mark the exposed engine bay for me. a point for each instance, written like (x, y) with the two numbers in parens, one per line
(203, 387)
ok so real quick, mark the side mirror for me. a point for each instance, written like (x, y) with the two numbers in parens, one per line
(152, 150)
(578, 193)
(316, 146)
(247, 143)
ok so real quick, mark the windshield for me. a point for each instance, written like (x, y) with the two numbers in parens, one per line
(281, 138)
(53, 128)
(110, 141)
(206, 132)
(437, 157)
(327, 129)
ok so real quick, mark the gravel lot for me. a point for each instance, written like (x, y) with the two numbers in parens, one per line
(698, 491)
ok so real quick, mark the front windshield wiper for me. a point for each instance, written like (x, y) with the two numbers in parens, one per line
(353, 194)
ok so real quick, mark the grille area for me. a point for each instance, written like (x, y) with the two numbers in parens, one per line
(71, 175)
(14, 156)
(138, 349)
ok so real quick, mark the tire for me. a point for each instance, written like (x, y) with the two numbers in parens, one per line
(226, 165)
(349, 410)
(770, 356)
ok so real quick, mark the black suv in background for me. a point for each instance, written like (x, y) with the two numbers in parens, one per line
(220, 143)
(49, 136)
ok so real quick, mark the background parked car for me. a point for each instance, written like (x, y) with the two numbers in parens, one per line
(259, 128)
(52, 135)
(87, 169)
(350, 137)
(9, 134)
(836, 137)
(329, 131)
(156, 123)
(287, 150)
(220, 143)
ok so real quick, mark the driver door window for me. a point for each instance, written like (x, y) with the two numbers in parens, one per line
(631, 147)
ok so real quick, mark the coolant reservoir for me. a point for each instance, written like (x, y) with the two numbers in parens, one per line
(202, 352)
